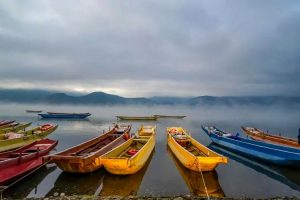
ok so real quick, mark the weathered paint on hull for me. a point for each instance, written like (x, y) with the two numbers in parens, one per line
(125, 166)
(195, 163)
(6, 145)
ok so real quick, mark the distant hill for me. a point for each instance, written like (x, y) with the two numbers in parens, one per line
(53, 97)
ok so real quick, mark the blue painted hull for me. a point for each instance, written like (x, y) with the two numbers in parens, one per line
(73, 116)
(275, 154)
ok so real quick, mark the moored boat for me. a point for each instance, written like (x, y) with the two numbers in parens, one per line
(12, 140)
(195, 180)
(129, 157)
(276, 154)
(146, 130)
(14, 164)
(15, 128)
(191, 153)
(86, 157)
(260, 135)
(34, 111)
(65, 115)
(170, 116)
(137, 118)
(6, 123)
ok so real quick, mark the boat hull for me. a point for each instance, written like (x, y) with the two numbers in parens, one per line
(15, 164)
(126, 166)
(72, 116)
(69, 161)
(9, 144)
(137, 118)
(258, 150)
(265, 137)
(192, 162)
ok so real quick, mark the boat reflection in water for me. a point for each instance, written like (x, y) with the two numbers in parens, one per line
(78, 184)
(29, 186)
(287, 176)
(124, 185)
(194, 180)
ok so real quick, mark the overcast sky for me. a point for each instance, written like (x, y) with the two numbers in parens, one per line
(146, 48)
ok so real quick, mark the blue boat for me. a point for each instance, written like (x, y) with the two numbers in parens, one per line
(276, 154)
(65, 115)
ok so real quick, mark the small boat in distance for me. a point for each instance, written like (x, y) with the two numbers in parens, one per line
(34, 111)
(191, 153)
(170, 116)
(268, 152)
(137, 117)
(14, 164)
(131, 156)
(65, 115)
(260, 135)
(86, 157)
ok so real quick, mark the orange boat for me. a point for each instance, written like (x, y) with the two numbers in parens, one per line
(260, 135)
(87, 157)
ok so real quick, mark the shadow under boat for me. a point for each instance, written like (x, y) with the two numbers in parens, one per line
(78, 184)
(287, 176)
(194, 180)
(120, 185)
(28, 185)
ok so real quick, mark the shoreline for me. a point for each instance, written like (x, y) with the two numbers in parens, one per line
(62, 196)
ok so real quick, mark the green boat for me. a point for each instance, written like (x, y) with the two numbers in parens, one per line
(16, 128)
(10, 141)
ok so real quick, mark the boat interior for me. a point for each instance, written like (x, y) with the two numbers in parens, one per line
(186, 142)
(128, 150)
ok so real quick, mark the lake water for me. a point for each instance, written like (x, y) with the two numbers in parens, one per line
(163, 174)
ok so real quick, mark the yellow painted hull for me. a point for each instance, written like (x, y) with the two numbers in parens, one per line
(146, 130)
(192, 162)
(125, 166)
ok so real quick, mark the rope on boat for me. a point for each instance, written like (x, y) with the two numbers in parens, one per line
(199, 169)
(3, 188)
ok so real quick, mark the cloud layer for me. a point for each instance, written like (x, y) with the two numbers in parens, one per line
(145, 48)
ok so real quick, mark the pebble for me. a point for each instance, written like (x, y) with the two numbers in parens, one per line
(55, 194)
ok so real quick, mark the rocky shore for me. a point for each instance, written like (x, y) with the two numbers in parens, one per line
(183, 197)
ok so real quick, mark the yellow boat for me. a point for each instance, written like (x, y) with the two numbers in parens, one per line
(129, 157)
(123, 186)
(194, 180)
(191, 153)
(17, 128)
(146, 130)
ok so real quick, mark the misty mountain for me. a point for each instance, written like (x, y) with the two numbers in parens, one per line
(53, 97)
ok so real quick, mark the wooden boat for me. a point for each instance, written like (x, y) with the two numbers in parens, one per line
(146, 130)
(194, 180)
(260, 135)
(137, 117)
(170, 116)
(191, 153)
(10, 125)
(5, 123)
(65, 115)
(129, 157)
(34, 111)
(86, 157)
(123, 186)
(16, 163)
(16, 128)
(11, 141)
(276, 154)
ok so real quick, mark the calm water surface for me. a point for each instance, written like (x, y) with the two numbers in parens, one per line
(163, 174)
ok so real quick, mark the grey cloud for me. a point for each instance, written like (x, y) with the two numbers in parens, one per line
(182, 48)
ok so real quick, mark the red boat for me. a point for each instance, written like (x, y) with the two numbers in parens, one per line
(14, 164)
(5, 122)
